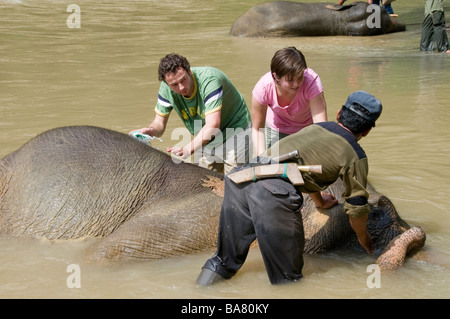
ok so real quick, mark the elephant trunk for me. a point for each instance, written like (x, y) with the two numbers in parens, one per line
(393, 256)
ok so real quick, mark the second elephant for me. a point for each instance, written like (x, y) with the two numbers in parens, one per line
(294, 19)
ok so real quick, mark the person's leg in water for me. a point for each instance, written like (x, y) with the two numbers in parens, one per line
(269, 210)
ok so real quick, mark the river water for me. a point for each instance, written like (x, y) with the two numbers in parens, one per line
(105, 74)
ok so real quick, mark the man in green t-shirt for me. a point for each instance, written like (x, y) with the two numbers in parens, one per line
(210, 107)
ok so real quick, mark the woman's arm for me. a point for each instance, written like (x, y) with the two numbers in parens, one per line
(318, 107)
(258, 114)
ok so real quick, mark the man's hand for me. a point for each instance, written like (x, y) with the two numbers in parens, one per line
(329, 200)
(178, 151)
(324, 200)
(359, 225)
(145, 130)
(156, 128)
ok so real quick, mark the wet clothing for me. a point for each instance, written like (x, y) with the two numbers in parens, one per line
(269, 209)
(433, 27)
(234, 151)
(337, 150)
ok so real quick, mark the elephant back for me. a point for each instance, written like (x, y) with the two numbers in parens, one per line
(77, 181)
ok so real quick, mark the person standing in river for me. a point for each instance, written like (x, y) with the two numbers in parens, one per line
(269, 209)
(386, 4)
(434, 30)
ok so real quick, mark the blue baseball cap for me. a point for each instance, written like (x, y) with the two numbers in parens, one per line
(371, 104)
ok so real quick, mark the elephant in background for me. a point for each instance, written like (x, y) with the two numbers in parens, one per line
(83, 181)
(294, 19)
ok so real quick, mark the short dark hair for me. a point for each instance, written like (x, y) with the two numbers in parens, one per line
(288, 61)
(170, 64)
(353, 121)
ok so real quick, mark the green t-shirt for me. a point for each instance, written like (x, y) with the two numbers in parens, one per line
(213, 92)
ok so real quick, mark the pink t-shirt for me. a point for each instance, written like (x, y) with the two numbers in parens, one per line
(292, 118)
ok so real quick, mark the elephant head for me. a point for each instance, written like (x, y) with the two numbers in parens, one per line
(391, 235)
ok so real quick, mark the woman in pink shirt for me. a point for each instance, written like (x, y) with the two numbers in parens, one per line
(285, 100)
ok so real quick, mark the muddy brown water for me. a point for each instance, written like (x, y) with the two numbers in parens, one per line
(105, 74)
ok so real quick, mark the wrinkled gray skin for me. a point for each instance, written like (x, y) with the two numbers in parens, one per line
(291, 19)
(76, 182)
(81, 181)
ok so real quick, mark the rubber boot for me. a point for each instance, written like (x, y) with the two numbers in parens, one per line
(207, 277)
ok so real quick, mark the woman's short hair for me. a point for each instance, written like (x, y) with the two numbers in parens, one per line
(288, 62)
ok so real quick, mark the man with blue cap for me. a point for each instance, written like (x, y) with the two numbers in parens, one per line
(269, 209)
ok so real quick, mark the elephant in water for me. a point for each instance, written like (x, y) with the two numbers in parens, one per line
(290, 19)
(83, 181)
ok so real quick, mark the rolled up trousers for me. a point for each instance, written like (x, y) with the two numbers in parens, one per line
(267, 210)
